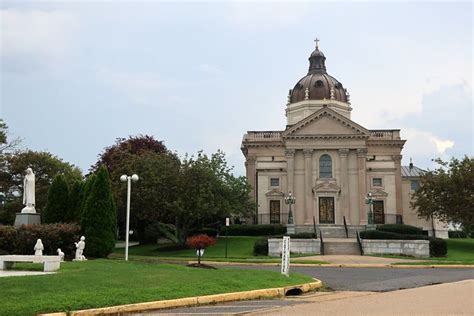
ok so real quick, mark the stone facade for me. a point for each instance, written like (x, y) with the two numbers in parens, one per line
(414, 248)
(329, 162)
(299, 246)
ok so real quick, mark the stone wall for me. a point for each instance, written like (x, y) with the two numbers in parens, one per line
(299, 246)
(415, 248)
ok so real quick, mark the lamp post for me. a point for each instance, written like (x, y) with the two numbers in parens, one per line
(290, 200)
(128, 179)
(370, 214)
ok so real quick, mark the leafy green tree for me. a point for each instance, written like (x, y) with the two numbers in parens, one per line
(447, 193)
(5, 143)
(76, 196)
(57, 206)
(12, 170)
(99, 218)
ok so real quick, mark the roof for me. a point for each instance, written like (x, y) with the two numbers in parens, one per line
(412, 171)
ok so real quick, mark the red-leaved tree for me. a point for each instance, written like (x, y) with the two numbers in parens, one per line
(200, 242)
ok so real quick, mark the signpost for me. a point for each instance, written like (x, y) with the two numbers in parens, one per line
(227, 223)
(285, 256)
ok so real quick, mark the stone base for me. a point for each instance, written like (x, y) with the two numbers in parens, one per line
(290, 229)
(371, 227)
(27, 219)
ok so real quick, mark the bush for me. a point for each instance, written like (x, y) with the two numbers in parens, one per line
(208, 231)
(22, 240)
(303, 236)
(254, 230)
(400, 229)
(438, 247)
(57, 205)
(260, 247)
(457, 234)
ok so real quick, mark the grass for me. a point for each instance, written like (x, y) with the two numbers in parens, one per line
(460, 251)
(99, 283)
(240, 249)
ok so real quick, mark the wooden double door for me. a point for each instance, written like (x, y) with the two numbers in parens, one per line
(326, 210)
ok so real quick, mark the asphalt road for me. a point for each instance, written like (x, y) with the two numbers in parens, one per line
(338, 279)
(378, 279)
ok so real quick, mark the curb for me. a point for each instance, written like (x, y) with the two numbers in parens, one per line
(196, 300)
(343, 265)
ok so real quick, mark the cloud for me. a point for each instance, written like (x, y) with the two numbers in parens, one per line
(210, 69)
(35, 39)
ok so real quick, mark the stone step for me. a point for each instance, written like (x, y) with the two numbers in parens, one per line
(341, 246)
(338, 231)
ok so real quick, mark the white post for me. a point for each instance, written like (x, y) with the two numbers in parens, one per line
(127, 229)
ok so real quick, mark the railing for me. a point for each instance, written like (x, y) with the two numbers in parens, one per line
(270, 135)
(385, 134)
(360, 243)
(322, 243)
(281, 218)
(314, 227)
(387, 218)
(345, 227)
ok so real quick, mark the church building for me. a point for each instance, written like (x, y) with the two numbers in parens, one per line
(330, 164)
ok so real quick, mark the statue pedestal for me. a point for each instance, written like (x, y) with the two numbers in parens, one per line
(370, 227)
(27, 219)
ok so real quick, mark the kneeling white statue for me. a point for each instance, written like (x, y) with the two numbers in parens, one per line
(60, 254)
(80, 246)
(39, 248)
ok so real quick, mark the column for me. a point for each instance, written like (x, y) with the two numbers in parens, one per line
(361, 164)
(308, 185)
(250, 166)
(344, 185)
(290, 168)
(398, 184)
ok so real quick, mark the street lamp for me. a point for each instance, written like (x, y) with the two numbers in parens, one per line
(370, 215)
(290, 200)
(128, 179)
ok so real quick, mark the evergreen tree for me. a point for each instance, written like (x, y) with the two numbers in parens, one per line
(56, 210)
(87, 186)
(75, 201)
(99, 218)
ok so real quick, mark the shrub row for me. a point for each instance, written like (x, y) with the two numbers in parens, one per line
(22, 240)
(457, 234)
(260, 247)
(254, 230)
(400, 229)
(438, 246)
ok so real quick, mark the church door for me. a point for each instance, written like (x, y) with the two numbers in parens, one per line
(379, 217)
(326, 210)
(274, 211)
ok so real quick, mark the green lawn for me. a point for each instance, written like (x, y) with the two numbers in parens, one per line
(99, 283)
(240, 249)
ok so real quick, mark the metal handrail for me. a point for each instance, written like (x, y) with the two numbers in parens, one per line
(345, 227)
(322, 243)
(360, 243)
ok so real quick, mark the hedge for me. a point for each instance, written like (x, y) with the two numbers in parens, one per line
(400, 229)
(438, 246)
(457, 234)
(260, 247)
(254, 230)
(22, 240)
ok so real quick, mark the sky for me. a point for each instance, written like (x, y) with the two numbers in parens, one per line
(75, 76)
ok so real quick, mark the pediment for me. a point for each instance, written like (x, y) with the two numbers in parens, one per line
(378, 193)
(326, 122)
(275, 192)
(326, 186)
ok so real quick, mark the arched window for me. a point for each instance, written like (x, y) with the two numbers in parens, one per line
(325, 166)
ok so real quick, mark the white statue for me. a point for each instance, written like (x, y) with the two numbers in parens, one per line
(60, 254)
(39, 248)
(332, 94)
(80, 249)
(29, 192)
(306, 94)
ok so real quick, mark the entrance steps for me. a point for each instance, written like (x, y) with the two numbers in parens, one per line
(341, 246)
(338, 231)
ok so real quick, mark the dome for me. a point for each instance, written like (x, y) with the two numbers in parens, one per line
(318, 84)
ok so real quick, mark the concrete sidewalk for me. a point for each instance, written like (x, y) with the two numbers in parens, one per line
(351, 259)
(443, 299)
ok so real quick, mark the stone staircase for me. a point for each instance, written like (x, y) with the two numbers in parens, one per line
(341, 246)
(338, 231)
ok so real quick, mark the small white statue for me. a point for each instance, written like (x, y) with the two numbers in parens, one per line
(348, 96)
(332, 94)
(39, 248)
(306, 94)
(80, 246)
(29, 192)
(60, 254)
